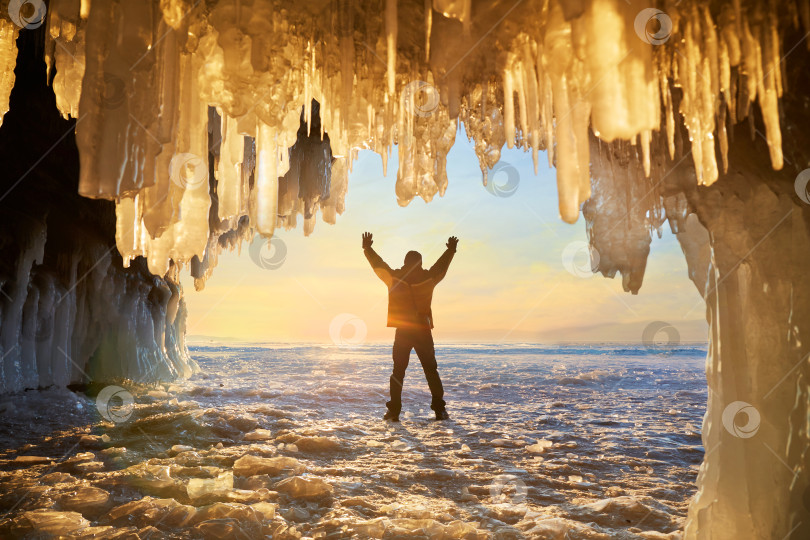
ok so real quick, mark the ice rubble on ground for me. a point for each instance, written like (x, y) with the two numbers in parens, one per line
(254, 465)
(189, 471)
(229, 512)
(49, 522)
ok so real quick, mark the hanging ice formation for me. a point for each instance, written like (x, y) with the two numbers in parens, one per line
(140, 77)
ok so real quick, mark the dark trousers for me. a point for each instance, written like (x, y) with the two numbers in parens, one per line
(422, 342)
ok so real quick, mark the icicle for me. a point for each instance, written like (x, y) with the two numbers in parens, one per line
(391, 40)
(312, 77)
(670, 123)
(346, 79)
(508, 108)
(548, 115)
(622, 93)
(308, 90)
(266, 181)
(127, 233)
(571, 114)
(428, 27)
(519, 80)
(723, 135)
(532, 100)
(769, 90)
(229, 181)
(589, 69)
(645, 151)
(8, 59)
(567, 162)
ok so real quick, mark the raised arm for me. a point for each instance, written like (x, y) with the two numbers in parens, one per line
(439, 268)
(382, 270)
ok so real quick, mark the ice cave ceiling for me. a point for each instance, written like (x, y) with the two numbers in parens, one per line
(591, 83)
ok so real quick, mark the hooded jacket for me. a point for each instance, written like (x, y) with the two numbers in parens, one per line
(410, 292)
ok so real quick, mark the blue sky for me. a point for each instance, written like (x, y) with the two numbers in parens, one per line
(507, 281)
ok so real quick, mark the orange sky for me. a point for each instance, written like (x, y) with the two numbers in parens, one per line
(506, 283)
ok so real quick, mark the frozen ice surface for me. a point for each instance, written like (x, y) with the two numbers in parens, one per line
(528, 454)
(302, 487)
(200, 487)
(253, 465)
(259, 435)
(48, 523)
(88, 500)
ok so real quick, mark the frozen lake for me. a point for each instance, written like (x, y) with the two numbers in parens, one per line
(592, 441)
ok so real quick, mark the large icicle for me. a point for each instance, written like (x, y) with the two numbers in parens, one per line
(8, 58)
(545, 77)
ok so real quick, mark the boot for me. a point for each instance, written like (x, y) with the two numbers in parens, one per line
(441, 414)
(392, 415)
(438, 405)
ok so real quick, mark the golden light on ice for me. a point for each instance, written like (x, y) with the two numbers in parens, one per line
(142, 86)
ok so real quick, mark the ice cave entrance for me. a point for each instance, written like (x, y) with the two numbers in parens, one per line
(688, 114)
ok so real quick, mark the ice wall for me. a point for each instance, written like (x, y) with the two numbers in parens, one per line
(69, 311)
(751, 268)
(747, 244)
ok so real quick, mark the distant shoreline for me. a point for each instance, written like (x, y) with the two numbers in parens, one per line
(205, 340)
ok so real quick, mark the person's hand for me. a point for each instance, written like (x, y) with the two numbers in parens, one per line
(367, 241)
(452, 242)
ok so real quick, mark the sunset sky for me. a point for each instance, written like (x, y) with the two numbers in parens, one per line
(506, 283)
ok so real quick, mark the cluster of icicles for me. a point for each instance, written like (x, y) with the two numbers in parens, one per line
(140, 77)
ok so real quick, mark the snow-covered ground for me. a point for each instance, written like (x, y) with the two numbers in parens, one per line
(596, 441)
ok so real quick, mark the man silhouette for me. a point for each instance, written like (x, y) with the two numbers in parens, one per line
(410, 291)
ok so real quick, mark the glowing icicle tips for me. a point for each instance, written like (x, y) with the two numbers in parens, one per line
(428, 26)
(229, 172)
(546, 80)
(8, 59)
(391, 45)
(266, 208)
(508, 108)
(571, 115)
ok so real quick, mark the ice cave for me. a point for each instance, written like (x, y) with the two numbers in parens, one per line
(141, 139)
